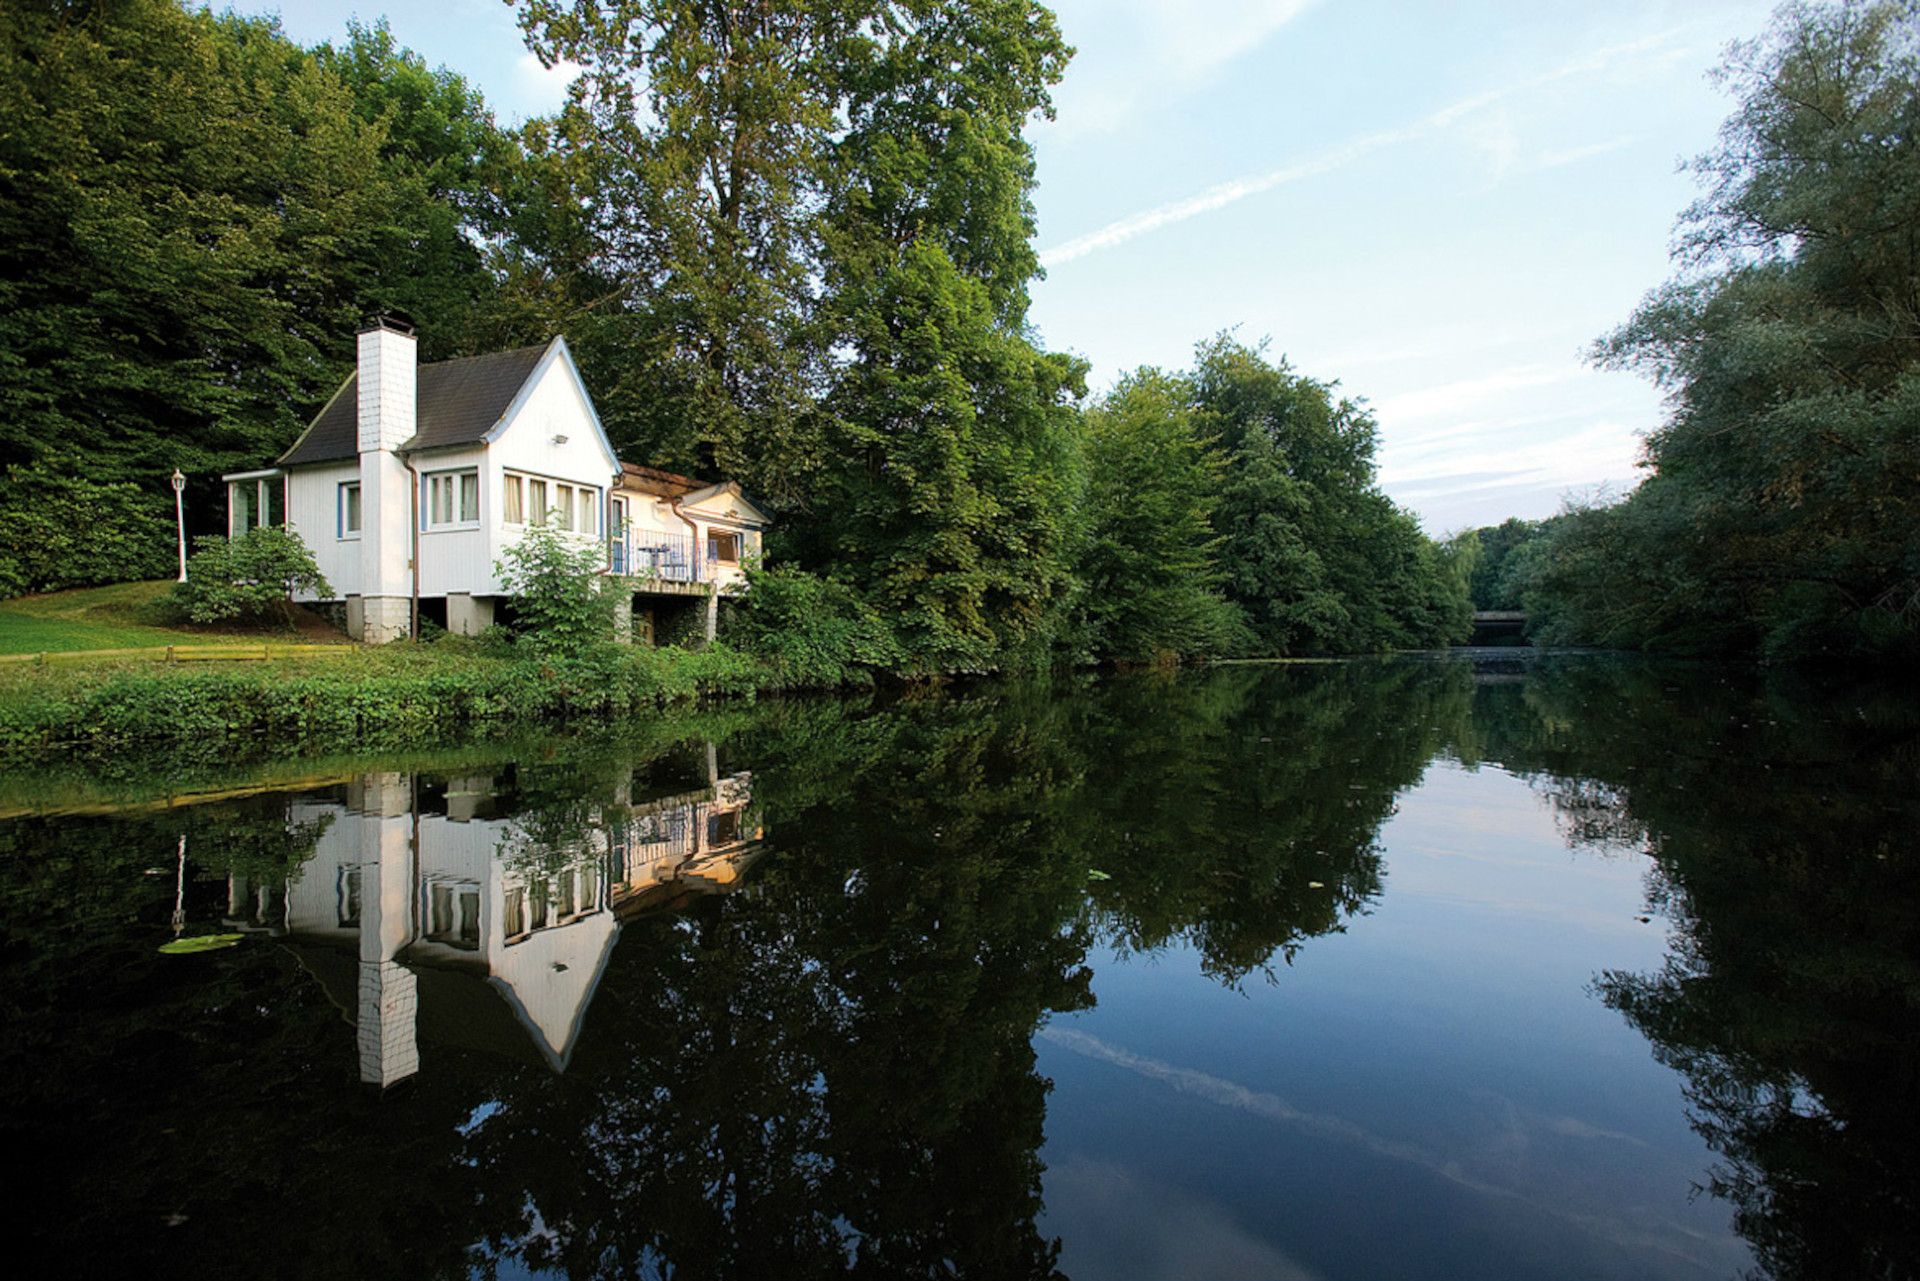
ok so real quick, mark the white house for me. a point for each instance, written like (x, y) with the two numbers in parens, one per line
(413, 479)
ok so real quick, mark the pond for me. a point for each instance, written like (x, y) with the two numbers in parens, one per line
(1531, 967)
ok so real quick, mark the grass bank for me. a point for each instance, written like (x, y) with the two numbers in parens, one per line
(124, 616)
(366, 699)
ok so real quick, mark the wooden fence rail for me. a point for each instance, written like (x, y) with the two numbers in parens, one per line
(181, 654)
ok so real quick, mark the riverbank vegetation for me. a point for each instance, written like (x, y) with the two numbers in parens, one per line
(1781, 512)
(791, 245)
(378, 697)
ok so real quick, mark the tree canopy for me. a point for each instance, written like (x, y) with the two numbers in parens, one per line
(1781, 514)
(790, 242)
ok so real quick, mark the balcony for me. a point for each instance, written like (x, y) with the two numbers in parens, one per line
(665, 558)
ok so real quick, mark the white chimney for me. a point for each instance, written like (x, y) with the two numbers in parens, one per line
(387, 364)
(387, 411)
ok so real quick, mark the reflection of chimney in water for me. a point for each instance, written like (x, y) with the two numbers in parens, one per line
(389, 999)
(389, 1003)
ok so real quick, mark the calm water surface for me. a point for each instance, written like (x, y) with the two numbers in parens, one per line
(1559, 968)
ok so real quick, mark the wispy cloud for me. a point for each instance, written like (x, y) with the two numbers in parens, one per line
(1342, 154)
(1449, 399)
(1137, 51)
(1574, 155)
(1665, 1238)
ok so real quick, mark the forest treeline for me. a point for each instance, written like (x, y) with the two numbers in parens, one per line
(1780, 515)
(788, 242)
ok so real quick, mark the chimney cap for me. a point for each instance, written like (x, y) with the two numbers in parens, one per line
(395, 321)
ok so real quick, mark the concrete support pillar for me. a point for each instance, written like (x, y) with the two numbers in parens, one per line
(385, 618)
(623, 617)
(468, 615)
(713, 612)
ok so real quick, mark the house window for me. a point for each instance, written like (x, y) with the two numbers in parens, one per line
(243, 503)
(349, 509)
(453, 498)
(453, 915)
(255, 501)
(723, 546)
(531, 500)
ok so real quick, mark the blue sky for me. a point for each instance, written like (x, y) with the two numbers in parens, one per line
(1439, 205)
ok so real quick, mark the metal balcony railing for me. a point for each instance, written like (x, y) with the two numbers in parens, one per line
(675, 558)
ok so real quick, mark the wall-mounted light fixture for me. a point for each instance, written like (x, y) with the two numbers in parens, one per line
(559, 440)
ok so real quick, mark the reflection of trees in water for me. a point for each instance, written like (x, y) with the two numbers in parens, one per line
(1780, 821)
(828, 1073)
(1240, 814)
(831, 1072)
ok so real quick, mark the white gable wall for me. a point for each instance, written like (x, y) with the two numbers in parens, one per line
(553, 405)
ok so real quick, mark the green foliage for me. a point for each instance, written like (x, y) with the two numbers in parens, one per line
(1509, 554)
(1315, 555)
(949, 506)
(562, 602)
(815, 632)
(250, 578)
(1148, 578)
(391, 695)
(749, 167)
(195, 214)
(60, 528)
(1780, 517)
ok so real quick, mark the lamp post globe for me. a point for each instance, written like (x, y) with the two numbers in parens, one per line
(180, 517)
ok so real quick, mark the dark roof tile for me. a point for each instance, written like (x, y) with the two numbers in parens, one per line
(458, 402)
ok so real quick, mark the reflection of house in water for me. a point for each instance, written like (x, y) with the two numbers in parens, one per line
(421, 895)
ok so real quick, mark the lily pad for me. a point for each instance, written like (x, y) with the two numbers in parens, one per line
(200, 943)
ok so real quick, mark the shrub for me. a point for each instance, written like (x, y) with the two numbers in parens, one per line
(564, 603)
(59, 530)
(249, 578)
(815, 631)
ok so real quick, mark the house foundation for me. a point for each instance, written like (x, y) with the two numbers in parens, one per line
(467, 614)
(385, 618)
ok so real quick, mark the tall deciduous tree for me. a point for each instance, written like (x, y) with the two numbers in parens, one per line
(194, 214)
(1783, 509)
(1315, 554)
(1147, 569)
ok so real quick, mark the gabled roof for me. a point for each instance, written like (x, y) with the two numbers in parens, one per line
(458, 402)
(734, 505)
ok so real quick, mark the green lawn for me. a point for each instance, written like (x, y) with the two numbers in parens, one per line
(117, 617)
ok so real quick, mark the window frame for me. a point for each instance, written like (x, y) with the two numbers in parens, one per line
(570, 506)
(341, 530)
(451, 477)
